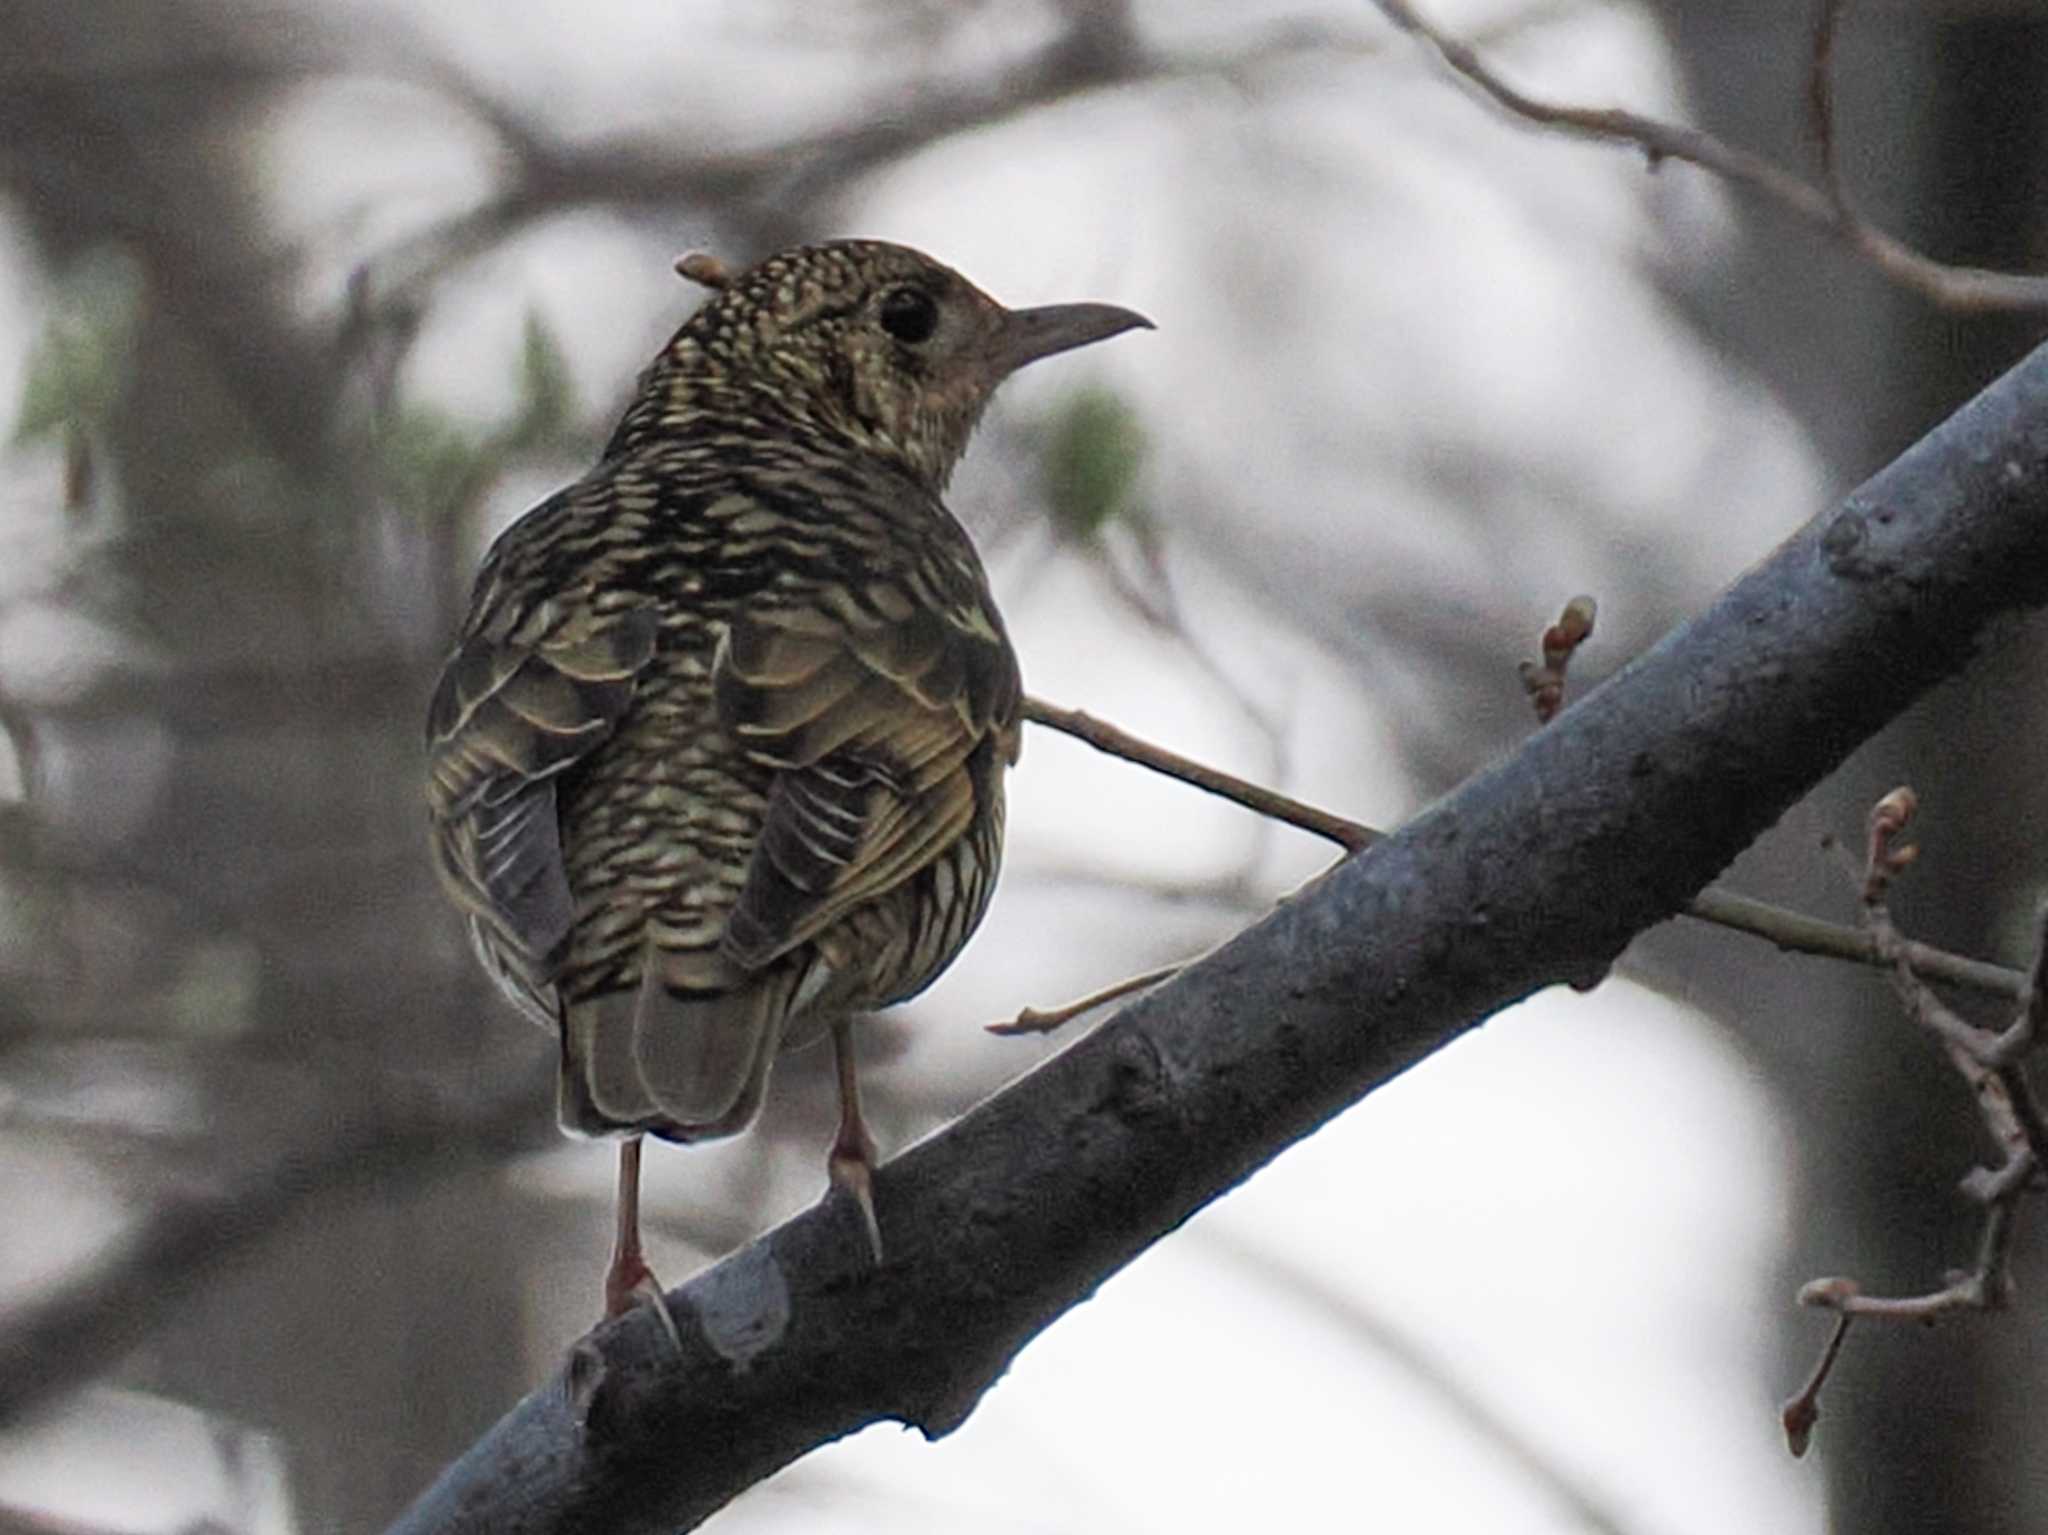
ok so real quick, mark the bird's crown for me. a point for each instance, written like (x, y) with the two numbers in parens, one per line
(859, 339)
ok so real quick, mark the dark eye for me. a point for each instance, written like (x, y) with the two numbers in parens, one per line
(909, 314)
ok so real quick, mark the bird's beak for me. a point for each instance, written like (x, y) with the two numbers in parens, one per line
(1029, 334)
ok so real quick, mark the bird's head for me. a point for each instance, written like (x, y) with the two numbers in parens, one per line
(860, 338)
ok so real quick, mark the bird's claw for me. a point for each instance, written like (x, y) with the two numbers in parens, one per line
(852, 1171)
(633, 1284)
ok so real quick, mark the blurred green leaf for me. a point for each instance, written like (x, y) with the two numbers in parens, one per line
(435, 468)
(432, 467)
(1092, 458)
(547, 394)
(81, 361)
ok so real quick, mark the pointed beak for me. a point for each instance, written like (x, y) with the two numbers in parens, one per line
(1029, 334)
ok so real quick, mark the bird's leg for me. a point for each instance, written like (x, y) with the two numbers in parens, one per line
(629, 1274)
(851, 1164)
(629, 1281)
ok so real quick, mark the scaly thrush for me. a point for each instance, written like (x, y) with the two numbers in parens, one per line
(717, 762)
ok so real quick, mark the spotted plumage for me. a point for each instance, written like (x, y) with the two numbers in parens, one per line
(718, 758)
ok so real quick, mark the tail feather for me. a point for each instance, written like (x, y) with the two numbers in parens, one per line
(679, 1062)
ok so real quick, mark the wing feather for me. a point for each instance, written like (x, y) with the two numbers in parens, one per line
(873, 713)
(526, 696)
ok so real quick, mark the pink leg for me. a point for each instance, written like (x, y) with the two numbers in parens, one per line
(629, 1281)
(851, 1164)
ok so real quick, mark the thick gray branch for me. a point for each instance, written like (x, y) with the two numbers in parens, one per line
(1535, 872)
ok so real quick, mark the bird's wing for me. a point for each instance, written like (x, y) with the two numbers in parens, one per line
(872, 707)
(531, 690)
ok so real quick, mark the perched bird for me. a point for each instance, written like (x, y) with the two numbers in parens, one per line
(717, 761)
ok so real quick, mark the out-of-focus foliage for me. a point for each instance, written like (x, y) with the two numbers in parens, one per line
(1091, 461)
(435, 467)
(546, 416)
(81, 362)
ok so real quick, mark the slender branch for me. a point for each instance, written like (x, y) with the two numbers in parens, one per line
(1036, 1020)
(1820, 105)
(773, 194)
(2017, 1040)
(1798, 933)
(1987, 1061)
(2005, 1098)
(1790, 930)
(1964, 289)
(1349, 835)
(1890, 256)
(1802, 1411)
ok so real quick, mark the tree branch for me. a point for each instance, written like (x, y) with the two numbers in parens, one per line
(1105, 737)
(1790, 930)
(1537, 871)
(1991, 1065)
(1962, 289)
(1797, 933)
(774, 191)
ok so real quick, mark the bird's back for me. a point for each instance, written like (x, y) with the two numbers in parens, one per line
(793, 808)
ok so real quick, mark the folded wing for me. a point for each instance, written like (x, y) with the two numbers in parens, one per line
(526, 697)
(873, 712)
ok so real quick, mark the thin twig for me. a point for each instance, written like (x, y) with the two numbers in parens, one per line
(2005, 1098)
(1802, 1411)
(1789, 930)
(1988, 1062)
(1820, 106)
(1962, 289)
(2033, 999)
(1820, 98)
(1349, 835)
(1798, 933)
(1036, 1020)
(768, 193)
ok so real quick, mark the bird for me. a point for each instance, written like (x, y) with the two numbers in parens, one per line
(716, 763)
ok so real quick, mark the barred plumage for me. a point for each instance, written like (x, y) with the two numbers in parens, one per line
(718, 758)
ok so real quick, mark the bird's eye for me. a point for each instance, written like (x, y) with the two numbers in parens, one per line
(909, 314)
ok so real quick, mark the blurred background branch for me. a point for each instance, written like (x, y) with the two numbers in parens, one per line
(1828, 204)
(299, 303)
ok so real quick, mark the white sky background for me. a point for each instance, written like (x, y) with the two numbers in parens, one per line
(1358, 275)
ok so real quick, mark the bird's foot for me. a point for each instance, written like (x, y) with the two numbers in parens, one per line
(629, 1282)
(851, 1164)
(851, 1167)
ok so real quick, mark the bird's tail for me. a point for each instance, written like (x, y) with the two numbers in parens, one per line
(681, 1061)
